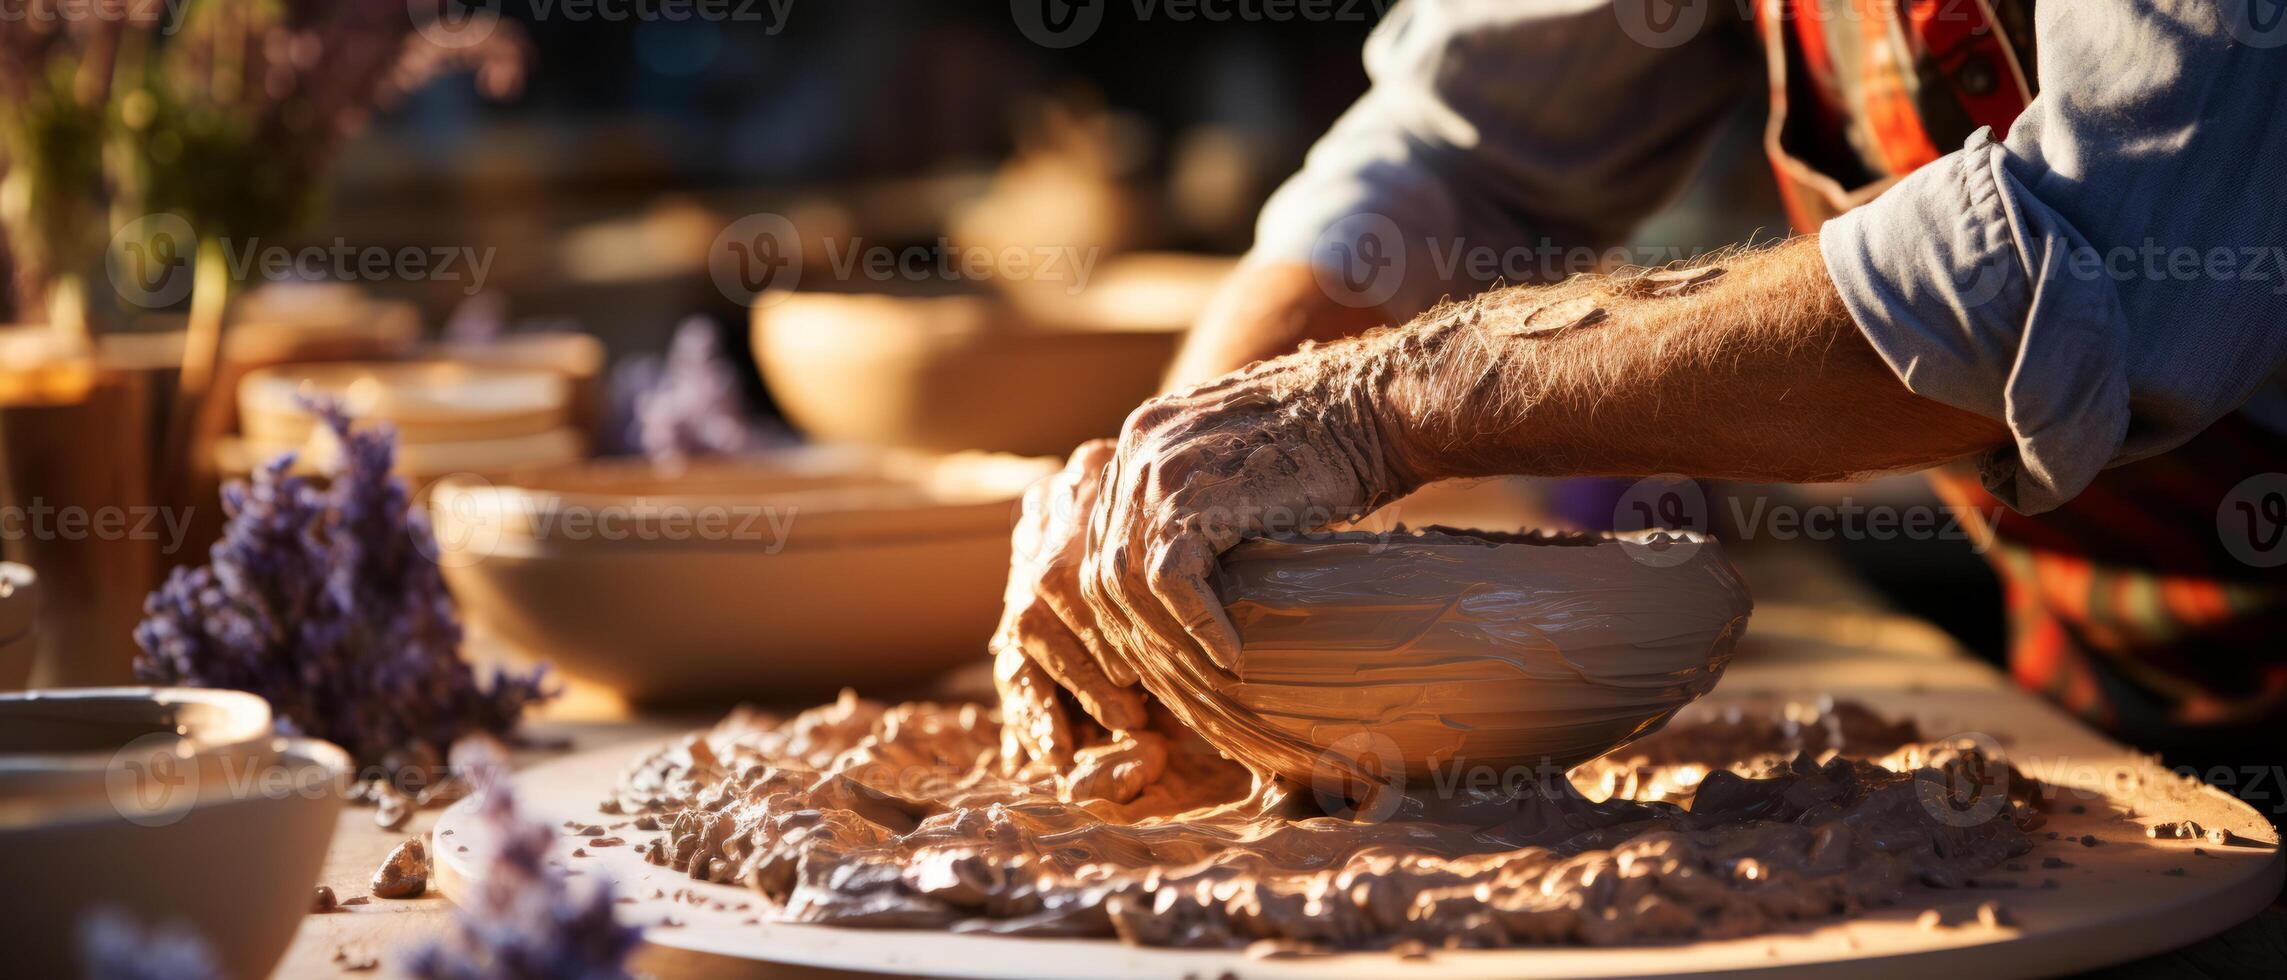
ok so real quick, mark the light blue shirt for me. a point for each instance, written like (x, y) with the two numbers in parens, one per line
(2108, 281)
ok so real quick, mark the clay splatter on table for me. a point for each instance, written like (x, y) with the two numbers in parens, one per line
(906, 816)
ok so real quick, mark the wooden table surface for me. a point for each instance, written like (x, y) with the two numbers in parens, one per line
(1837, 645)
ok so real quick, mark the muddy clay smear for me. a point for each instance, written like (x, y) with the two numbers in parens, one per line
(860, 814)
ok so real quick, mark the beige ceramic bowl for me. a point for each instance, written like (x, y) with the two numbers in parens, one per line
(197, 819)
(779, 577)
(579, 357)
(19, 613)
(427, 401)
(1408, 654)
(949, 373)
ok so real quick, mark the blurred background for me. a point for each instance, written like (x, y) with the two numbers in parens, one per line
(625, 199)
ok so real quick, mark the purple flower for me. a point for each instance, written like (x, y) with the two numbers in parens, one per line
(113, 947)
(687, 405)
(328, 602)
(523, 919)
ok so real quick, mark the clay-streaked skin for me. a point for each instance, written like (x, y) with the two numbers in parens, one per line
(1454, 648)
(1748, 369)
(859, 814)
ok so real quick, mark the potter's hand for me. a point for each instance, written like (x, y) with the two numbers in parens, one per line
(1048, 636)
(1290, 445)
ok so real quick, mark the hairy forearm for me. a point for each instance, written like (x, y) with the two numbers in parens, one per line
(1264, 310)
(1754, 374)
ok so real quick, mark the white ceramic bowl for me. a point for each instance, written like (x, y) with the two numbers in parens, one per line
(1406, 654)
(780, 577)
(203, 831)
(19, 614)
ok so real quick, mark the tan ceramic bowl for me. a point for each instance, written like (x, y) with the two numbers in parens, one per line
(950, 373)
(427, 401)
(579, 357)
(19, 613)
(780, 577)
(224, 838)
(1410, 654)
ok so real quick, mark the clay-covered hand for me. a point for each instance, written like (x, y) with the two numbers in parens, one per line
(1047, 636)
(1290, 445)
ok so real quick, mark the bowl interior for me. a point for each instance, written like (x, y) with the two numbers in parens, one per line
(57, 728)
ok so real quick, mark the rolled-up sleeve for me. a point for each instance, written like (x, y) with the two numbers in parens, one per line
(2109, 280)
(1497, 128)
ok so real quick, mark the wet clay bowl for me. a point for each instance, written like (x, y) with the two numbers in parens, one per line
(427, 401)
(19, 613)
(187, 826)
(780, 577)
(949, 373)
(1408, 655)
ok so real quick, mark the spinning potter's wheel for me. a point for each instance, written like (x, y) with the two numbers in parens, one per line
(2122, 896)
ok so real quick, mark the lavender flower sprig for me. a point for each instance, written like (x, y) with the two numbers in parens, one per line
(328, 603)
(687, 405)
(523, 919)
(113, 946)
